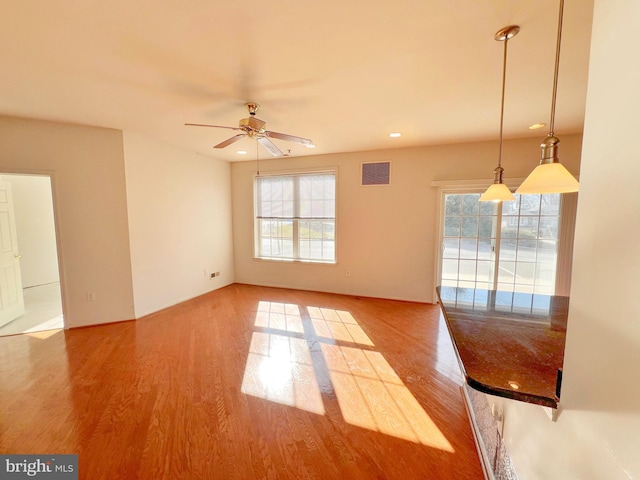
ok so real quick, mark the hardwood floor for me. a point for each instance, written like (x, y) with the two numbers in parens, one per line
(245, 383)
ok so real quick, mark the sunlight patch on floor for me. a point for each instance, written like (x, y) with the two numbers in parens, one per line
(338, 325)
(279, 316)
(42, 334)
(372, 396)
(279, 369)
(369, 392)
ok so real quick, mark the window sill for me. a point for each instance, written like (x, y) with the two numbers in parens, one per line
(288, 260)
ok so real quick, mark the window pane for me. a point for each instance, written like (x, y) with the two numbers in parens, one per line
(545, 274)
(315, 239)
(550, 204)
(467, 270)
(526, 251)
(469, 227)
(528, 227)
(509, 226)
(484, 273)
(547, 251)
(525, 273)
(511, 208)
(450, 269)
(468, 248)
(470, 204)
(529, 204)
(507, 249)
(452, 204)
(486, 226)
(548, 227)
(275, 196)
(451, 248)
(485, 249)
(506, 272)
(488, 208)
(452, 226)
(276, 238)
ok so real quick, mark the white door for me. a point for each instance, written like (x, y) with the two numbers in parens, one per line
(11, 299)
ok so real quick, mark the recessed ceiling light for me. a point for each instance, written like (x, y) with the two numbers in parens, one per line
(241, 152)
(514, 385)
(536, 126)
(311, 146)
(395, 134)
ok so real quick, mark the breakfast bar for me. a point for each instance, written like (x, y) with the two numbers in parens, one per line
(508, 344)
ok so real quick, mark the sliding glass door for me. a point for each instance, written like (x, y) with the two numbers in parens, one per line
(511, 246)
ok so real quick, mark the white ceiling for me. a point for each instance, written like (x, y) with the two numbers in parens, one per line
(343, 73)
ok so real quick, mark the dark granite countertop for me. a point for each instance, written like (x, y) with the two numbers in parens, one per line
(509, 344)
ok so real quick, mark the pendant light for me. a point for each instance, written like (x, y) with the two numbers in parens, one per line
(551, 176)
(499, 192)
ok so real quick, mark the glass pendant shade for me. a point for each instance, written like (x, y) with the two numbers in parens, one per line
(498, 192)
(549, 178)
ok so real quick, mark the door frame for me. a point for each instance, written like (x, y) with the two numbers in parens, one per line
(56, 223)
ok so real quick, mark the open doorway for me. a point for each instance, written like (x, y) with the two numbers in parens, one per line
(35, 251)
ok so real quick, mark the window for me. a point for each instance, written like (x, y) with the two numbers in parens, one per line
(512, 246)
(295, 217)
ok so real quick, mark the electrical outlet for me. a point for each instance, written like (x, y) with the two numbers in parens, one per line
(91, 296)
(347, 273)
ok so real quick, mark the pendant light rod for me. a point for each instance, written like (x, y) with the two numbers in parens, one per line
(498, 191)
(556, 69)
(504, 81)
(503, 35)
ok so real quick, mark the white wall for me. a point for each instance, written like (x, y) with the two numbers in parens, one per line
(386, 235)
(179, 222)
(87, 168)
(597, 435)
(35, 227)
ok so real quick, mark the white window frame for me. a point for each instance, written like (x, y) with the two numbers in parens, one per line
(568, 207)
(296, 218)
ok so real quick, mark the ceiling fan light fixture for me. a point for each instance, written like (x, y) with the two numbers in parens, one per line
(254, 128)
(551, 176)
(499, 192)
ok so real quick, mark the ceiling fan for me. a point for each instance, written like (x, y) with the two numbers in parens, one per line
(253, 127)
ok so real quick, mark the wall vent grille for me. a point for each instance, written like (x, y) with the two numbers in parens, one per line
(376, 173)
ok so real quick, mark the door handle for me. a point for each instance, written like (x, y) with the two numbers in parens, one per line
(17, 255)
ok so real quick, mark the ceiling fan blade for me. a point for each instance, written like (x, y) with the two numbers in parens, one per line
(269, 145)
(214, 126)
(231, 140)
(289, 138)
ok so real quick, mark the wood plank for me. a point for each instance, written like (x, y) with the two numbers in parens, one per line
(162, 397)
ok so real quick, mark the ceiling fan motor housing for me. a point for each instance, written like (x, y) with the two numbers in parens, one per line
(253, 123)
